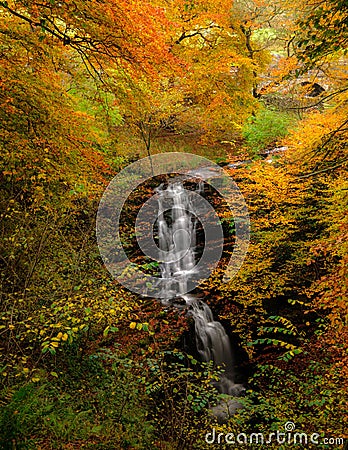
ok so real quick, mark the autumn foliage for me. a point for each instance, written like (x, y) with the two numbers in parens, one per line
(87, 87)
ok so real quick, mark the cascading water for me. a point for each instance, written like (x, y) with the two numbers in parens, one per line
(177, 238)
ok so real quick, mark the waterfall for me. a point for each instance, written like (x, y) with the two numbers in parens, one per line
(177, 238)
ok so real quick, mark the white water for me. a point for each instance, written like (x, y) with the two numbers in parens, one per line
(177, 237)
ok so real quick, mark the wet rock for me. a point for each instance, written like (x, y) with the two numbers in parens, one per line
(225, 410)
(179, 302)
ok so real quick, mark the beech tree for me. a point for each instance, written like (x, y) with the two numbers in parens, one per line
(124, 34)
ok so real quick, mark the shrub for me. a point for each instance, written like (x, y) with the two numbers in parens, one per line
(266, 129)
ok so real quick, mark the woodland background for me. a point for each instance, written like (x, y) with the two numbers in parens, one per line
(86, 87)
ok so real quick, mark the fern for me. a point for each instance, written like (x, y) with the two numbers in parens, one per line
(287, 328)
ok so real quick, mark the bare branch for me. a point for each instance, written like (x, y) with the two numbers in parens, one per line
(333, 94)
(327, 169)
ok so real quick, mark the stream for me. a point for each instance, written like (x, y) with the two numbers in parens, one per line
(177, 238)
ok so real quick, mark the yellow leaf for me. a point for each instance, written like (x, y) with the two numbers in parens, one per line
(132, 325)
(65, 337)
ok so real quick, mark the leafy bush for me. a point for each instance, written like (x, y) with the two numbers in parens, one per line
(95, 404)
(181, 391)
(266, 129)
